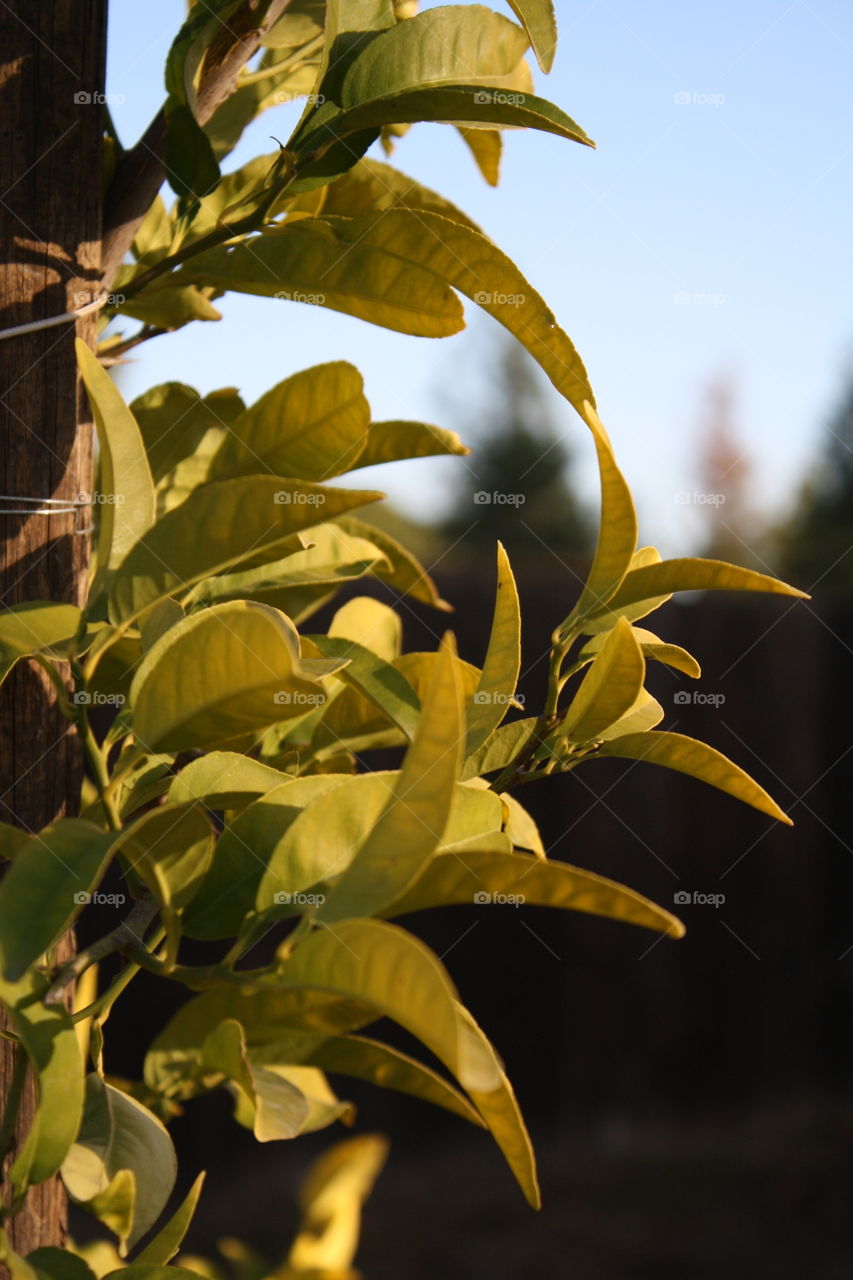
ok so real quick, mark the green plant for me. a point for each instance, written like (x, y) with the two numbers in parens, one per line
(226, 789)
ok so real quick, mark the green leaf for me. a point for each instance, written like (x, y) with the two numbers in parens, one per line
(540, 23)
(50, 1263)
(372, 187)
(686, 755)
(311, 426)
(223, 780)
(37, 627)
(49, 1040)
(142, 1271)
(45, 889)
(169, 307)
(12, 839)
(376, 679)
(394, 441)
(617, 537)
(672, 655)
(406, 575)
(168, 1240)
(174, 419)
(227, 670)
(381, 965)
(486, 146)
(502, 747)
(644, 586)
(370, 623)
(280, 1109)
(610, 687)
(216, 528)
(119, 1135)
(125, 476)
(484, 875)
(412, 825)
(496, 687)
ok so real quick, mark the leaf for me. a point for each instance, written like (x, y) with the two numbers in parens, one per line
(650, 581)
(376, 679)
(12, 839)
(223, 780)
(406, 575)
(216, 528)
(485, 146)
(168, 1240)
(370, 623)
(45, 889)
(381, 965)
(223, 671)
(174, 419)
(331, 1198)
(168, 307)
(540, 23)
(280, 1109)
(617, 536)
(125, 477)
(394, 441)
(609, 688)
(521, 827)
(311, 426)
(37, 627)
(644, 714)
(496, 687)
(502, 747)
(49, 1263)
(143, 1271)
(533, 882)
(47, 1035)
(372, 186)
(170, 849)
(501, 1113)
(120, 1135)
(653, 647)
(686, 755)
(412, 825)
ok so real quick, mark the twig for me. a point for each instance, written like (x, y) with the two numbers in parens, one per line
(125, 936)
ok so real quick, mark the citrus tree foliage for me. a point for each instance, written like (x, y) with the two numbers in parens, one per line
(231, 790)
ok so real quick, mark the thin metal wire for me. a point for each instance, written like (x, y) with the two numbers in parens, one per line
(49, 507)
(33, 326)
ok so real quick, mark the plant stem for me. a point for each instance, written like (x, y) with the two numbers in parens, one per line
(129, 932)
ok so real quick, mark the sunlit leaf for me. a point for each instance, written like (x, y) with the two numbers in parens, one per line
(610, 687)
(168, 1240)
(496, 688)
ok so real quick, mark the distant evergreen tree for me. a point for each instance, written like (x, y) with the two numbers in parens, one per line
(515, 486)
(817, 543)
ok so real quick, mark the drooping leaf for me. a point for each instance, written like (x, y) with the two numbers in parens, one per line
(372, 187)
(540, 23)
(168, 1240)
(37, 627)
(280, 1109)
(46, 887)
(217, 527)
(610, 687)
(393, 441)
(687, 755)
(496, 687)
(406, 574)
(486, 147)
(672, 655)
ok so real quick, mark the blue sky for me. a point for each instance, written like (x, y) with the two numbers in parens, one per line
(709, 234)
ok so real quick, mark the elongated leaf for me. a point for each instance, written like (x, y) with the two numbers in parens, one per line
(406, 574)
(280, 1109)
(393, 441)
(174, 419)
(502, 747)
(126, 481)
(486, 146)
(119, 1135)
(223, 780)
(47, 1035)
(46, 887)
(687, 755)
(412, 825)
(37, 627)
(672, 655)
(331, 1199)
(484, 876)
(540, 23)
(168, 1240)
(312, 426)
(609, 688)
(521, 827)
(645, 713)
(372, 186)
(496, 687)
(216, 528)
(224, 671)
(376, 679)
(381, 965)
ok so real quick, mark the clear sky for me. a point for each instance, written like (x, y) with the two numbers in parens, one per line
(709, 233)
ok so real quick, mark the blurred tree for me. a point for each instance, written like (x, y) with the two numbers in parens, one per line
(733, 529)
(817, 542)
(516, 485)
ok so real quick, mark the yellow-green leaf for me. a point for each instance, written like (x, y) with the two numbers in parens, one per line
(609, 688)
(394, 441)
(540, 23)
(168, 1240)
(496, 687)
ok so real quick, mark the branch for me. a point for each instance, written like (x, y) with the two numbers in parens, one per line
(125, 935)
(141, 171)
